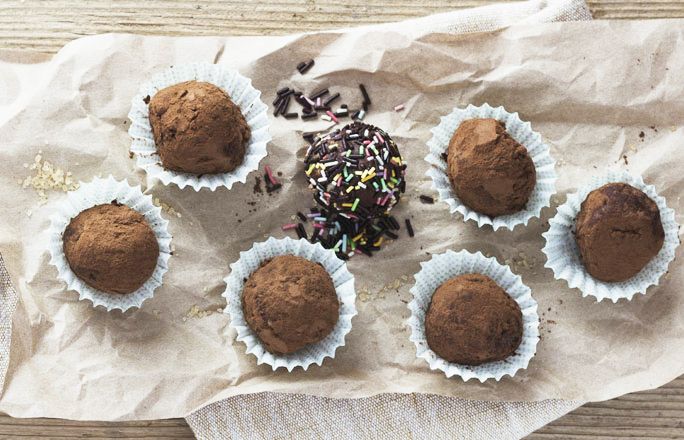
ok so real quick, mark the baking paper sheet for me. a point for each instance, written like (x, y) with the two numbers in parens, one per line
(590, 89)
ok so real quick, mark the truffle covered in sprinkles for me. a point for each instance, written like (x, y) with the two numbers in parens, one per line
(358, 175)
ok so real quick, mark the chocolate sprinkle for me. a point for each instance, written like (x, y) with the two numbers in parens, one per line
(409, 228)
(366, 98)
(391, 235)
(426, 199)
(305, 66)
(301, 232)
(332, 98)
(318, 94)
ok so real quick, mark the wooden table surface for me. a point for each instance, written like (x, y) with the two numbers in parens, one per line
(45, 26)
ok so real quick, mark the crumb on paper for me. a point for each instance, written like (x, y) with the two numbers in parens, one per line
(365, 294)
(47, 177)
(521, 261)
(166, 207)
(197, 313)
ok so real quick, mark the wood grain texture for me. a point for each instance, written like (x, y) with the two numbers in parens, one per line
(45, 26)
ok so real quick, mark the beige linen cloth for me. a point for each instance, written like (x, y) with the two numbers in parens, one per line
(397, 416)
(69, 360)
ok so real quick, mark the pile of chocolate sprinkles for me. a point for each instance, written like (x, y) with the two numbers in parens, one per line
(358, 175)
(318, 105)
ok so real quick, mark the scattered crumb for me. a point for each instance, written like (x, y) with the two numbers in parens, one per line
(521, 261)
(47, 177)
(197, 313)
(166, 207)
(556, 199)
(365, 294)
(642, 135)
(257, 185)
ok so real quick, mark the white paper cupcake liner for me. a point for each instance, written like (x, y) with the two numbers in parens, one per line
(98, 192)
(521, 132)
(240, 91)
(562, 253)
(442, 267)
(344, 286)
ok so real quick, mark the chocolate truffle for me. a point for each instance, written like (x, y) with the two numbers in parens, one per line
(198, 129)
(490, 171)
(618, 231)
(357, 173)
(290, 302)
(111, 248)
(471, 321)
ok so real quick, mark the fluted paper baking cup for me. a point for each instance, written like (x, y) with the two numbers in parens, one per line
(442, 267)
(343, 280)
(98, 192)
(242, 93)
(562, 253)
(521, 132)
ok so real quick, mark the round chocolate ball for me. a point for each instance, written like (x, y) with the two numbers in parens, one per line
(358, 176)
(111, 248)
(198, 129)
(491, 173)
(290, 302)
(618, 231)
(472, 321)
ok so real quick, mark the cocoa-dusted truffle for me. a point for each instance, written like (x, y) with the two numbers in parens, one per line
(490, 171)
(198, 129)
(290, 302)
(471, 321)
(618, 231)
(111, 248)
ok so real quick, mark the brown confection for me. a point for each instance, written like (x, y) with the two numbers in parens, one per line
(490, 171)
(618, 231)
(198, 129)
(111, 248)
(471, 321)
(290, 302)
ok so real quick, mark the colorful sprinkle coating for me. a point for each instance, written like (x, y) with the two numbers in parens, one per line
(358, 175)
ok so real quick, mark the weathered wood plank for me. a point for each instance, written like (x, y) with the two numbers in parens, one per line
(47, 25)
